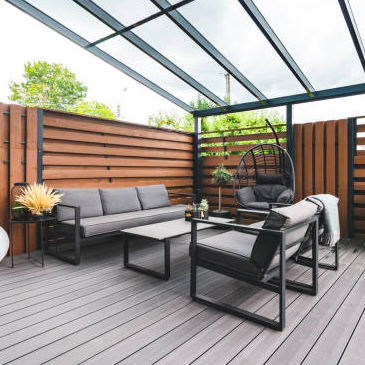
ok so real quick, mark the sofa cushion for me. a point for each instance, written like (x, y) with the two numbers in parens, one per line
(115, 222)
(119, 200)
(87, 199)
(153, 196)
(231, 250)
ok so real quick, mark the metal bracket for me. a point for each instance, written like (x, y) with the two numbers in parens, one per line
(224, 146)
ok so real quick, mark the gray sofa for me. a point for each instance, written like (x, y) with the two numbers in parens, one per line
(94, 213)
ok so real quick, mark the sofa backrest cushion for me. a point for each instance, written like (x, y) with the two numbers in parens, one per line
(87, 199)
(153, 196)
(266, 245)
(119, 200)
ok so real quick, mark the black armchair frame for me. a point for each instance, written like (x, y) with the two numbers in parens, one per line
(274, 280)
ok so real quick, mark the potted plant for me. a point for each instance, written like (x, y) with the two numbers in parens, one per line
(38, 199)
(221, 176)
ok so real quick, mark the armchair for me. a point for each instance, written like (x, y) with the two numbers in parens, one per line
(259, 256)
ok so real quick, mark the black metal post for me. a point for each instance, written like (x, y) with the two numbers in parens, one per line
(352, 147)
(197, 159)
(289, 130)
(39, 145)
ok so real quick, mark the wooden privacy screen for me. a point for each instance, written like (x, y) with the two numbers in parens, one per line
(359, 184)
(88, 152)
(320, 164)
(18, 161)
(82, 152)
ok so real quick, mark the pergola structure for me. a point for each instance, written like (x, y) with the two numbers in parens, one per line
(101, 14)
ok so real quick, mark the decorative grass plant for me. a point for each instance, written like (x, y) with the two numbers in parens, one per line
(38, 199)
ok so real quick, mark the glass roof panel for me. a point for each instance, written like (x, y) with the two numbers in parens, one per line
(73, 17)
(174, 44)
(128, 11)
(316, 35)
(125, 52)
(229, 28)
(358, 9)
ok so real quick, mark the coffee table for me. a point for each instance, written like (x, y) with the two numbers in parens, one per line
(162, 232)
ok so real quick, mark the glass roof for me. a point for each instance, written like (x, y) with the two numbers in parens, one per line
(275, 52)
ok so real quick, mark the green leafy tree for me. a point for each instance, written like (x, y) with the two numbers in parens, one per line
(93, 108)
(48, 85)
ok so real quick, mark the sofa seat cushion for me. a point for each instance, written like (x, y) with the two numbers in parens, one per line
(115, 222)
(120, 200)
(87, 199)
(153, 196)
(232, 250)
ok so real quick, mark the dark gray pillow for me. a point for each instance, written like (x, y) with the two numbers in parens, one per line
(272, 179)
(268, 193)
(286, 196)
(119, 200)
(153, 196)
(246, 195)
(87, 199)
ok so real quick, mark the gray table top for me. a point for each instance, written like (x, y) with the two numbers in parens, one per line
(170, 229)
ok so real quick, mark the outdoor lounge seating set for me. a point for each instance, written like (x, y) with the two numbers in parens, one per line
(258, 254)
(86, 214)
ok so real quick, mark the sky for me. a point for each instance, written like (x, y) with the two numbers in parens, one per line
(313, 31)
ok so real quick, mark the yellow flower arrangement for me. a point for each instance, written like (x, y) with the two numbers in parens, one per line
(38, 198)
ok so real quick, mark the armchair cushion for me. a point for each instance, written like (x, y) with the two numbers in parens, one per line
(87, 199)
(268, 193)
(120, 200)
(286, 196)
(153, 196)
(231, 250)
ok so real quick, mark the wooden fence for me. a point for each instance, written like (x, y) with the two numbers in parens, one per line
(81, 151)
(321, 163)
(70, 150)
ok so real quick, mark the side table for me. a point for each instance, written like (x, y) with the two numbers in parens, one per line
(41, 222)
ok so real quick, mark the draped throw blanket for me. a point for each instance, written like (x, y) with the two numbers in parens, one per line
(329, 204)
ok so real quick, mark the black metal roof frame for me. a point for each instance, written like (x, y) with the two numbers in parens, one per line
(171, 11)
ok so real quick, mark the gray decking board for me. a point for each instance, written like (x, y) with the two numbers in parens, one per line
(140, 320)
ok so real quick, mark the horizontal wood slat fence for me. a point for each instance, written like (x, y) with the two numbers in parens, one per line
(70, 150)
(81, 151)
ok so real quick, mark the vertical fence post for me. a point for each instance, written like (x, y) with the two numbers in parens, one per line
(40, 145)
(197, 159)
(289, 130)
(352, 150)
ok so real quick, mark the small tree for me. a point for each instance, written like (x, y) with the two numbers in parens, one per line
(93, 108)
(221, 176)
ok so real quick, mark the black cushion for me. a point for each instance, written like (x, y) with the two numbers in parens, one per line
(246, 195)
(268, 193)
(231, 250)
(286, 197)
(271, 179)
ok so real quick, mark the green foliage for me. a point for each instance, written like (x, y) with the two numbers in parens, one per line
(216, 123)
(48, 85)
(92, 108)
(221, 176)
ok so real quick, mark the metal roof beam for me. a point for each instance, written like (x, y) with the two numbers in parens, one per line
(141, 22)
(198, 38)
(276, 43)
(61, 29)
(354, 32)
(109, 20)
(285, 100)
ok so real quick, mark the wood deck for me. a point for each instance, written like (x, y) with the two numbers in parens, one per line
(100, 313)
